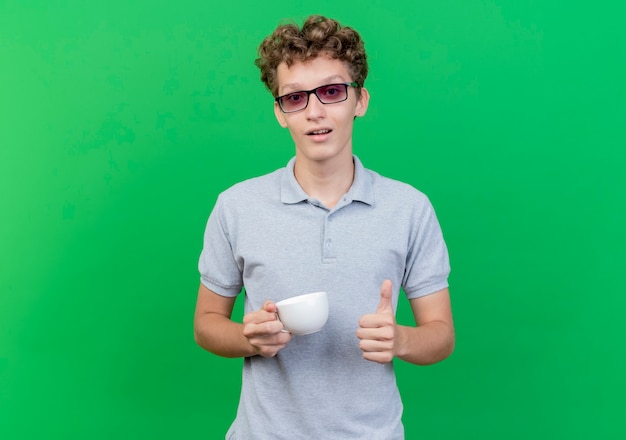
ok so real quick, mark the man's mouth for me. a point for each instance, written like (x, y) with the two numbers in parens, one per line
(318, 132)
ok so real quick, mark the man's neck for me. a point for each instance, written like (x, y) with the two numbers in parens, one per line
(325, 181)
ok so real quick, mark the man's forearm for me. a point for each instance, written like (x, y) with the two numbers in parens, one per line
(424, 345)
(221, 336)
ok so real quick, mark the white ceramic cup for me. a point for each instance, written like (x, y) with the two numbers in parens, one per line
(304, 314)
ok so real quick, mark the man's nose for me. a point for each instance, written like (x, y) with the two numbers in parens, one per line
(315, 108)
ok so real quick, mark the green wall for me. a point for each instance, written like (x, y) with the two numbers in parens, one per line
(120, 122)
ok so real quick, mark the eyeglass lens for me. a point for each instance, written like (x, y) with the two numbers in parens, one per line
(327, 94)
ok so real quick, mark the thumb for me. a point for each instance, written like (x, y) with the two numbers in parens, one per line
(269, 306)
(385, 298)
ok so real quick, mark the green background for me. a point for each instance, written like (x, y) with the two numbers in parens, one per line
(120, 122)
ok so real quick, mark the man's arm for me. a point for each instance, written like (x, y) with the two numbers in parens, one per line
(214, 331)
(433, 338)
(431, 341)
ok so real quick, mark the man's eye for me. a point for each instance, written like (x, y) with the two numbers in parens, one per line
(294, 98)
(332, 92)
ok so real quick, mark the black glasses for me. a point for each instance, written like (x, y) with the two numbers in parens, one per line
(328, 94)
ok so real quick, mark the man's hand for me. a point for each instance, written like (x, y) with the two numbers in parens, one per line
(377, 331)
(264, 331)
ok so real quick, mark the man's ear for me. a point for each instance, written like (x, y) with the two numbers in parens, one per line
(362, 103)
(280, 116)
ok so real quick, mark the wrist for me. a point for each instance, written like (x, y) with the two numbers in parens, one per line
(401, 342)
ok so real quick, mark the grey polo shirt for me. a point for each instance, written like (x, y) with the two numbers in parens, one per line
(267, 236)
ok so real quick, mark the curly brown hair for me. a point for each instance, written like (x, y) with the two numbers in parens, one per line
(318, 36)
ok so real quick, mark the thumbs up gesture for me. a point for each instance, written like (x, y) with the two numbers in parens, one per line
(377, 331)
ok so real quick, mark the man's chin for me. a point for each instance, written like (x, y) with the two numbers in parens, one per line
(323, 152)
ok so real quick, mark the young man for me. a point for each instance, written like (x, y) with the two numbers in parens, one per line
(323, 222)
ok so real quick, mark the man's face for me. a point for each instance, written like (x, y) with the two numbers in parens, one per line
(320, 131)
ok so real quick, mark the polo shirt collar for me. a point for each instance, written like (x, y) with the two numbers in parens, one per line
(361, 190)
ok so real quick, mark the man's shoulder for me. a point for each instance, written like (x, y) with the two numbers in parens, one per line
(254, 187)
(388, 187)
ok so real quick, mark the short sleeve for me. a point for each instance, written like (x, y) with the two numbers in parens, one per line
(428, 264)
(218, 267)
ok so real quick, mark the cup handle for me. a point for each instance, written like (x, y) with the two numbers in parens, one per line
(283, 330)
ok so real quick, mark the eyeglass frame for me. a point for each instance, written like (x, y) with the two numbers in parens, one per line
(314, 91)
